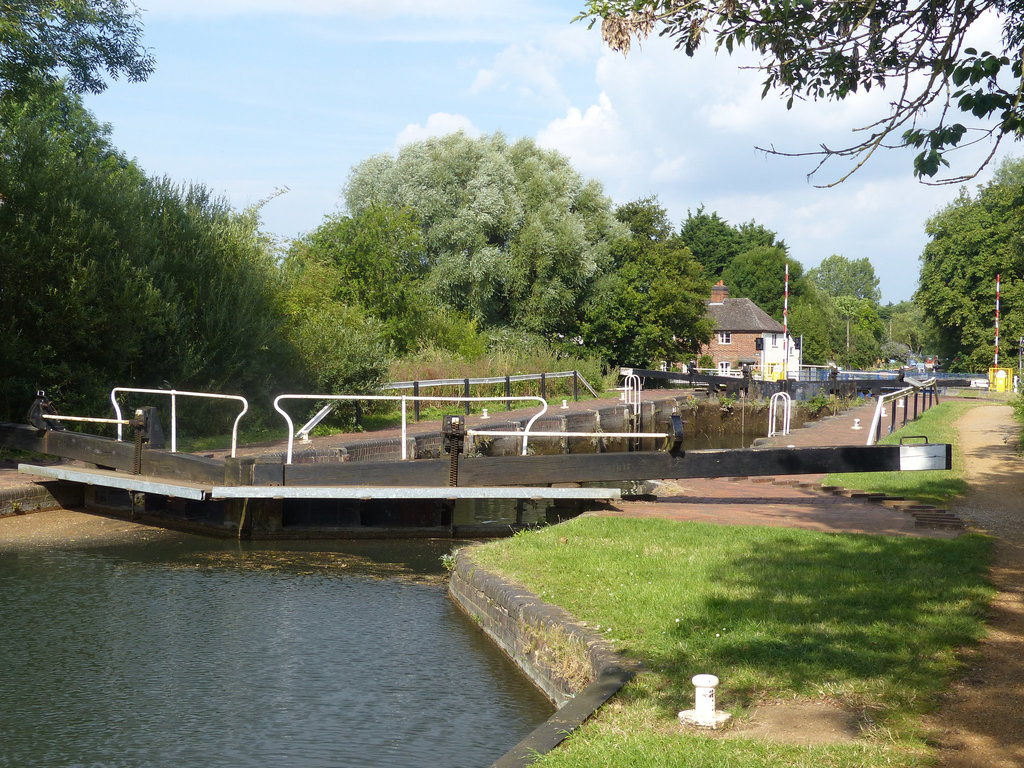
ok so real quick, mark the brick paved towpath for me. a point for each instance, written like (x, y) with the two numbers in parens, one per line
(791, 501)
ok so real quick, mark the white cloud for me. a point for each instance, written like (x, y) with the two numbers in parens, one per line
(596, 140)
(526, 68)
(670, 169)
(534, 69)
(438, 124)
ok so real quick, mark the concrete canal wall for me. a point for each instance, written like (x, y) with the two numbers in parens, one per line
(575, 668)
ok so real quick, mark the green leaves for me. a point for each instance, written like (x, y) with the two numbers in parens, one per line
(651, 307)
(840, 276)
(81, 40)
(831, 50)
(972, 239)
(111, 278)
(511, 234)
(928, 163)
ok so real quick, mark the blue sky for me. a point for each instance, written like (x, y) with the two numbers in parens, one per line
(250, 96)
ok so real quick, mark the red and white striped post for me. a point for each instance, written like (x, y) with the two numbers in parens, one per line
(997, 323)
(785, 327)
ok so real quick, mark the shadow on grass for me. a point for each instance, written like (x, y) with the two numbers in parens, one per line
(878, 619)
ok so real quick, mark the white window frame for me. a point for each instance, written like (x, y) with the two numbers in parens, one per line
(725, 337)
(724, 366)
(775, 340)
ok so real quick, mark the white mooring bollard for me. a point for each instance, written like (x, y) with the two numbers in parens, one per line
(856, 424)
(565, 404)
(704, 713)
(485, 416)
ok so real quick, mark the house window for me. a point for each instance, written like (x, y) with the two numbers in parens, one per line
(724, 337)
(723, 367)
(775, 339)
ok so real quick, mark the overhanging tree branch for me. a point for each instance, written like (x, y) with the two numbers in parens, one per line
(831, 50)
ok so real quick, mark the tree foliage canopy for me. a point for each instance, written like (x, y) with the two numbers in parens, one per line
(840, 276)
(972, 240)
(715, 242)
(80, 40)
(112, 278)
(651, 307)
(759, 274)
(512, 235)
(831, 50)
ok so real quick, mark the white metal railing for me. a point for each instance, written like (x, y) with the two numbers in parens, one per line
(493, 380)
(914, 387)
(512, 433)
(787, 412)
(86, 419)
(404, 400)
(303, 432)
(631, 387)
(174, 394)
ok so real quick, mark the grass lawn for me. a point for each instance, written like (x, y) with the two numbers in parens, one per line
(932, 487)
(871, 623)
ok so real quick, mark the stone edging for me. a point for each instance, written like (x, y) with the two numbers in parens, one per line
(575, 668)
(36, 497)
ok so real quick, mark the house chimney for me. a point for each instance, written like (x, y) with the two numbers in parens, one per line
(719, 292)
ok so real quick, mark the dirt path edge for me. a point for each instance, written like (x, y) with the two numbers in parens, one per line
(981, 719)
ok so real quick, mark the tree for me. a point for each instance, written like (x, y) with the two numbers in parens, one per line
(831, 50)
(80, 40)
(512, 235)
(760, 274)
(840, 276)
(340, 349)
(909, 327)
(379, 264)
(645, 219)
(111, 278)
(750, 234)
(814, 317)
(971, 241)
(713, 241)
(651, 307)
(864, 332)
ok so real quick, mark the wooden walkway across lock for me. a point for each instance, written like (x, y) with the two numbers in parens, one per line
(524, 477)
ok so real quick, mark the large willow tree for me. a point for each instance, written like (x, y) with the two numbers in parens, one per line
(512, 235)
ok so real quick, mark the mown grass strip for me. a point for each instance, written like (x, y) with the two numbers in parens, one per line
(930, 486)
(872, 623)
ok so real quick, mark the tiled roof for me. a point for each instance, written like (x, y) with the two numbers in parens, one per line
(742, 316)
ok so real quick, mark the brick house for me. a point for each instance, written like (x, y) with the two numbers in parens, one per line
(746, 335)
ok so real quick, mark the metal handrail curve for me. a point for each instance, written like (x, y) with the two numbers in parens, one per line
(876, 421)
(404, 399)
(787, 412)
(174, 409)
(632, 386)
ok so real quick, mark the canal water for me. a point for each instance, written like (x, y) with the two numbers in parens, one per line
(187, 652)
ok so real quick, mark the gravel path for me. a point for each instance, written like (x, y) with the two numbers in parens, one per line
(982, 720)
